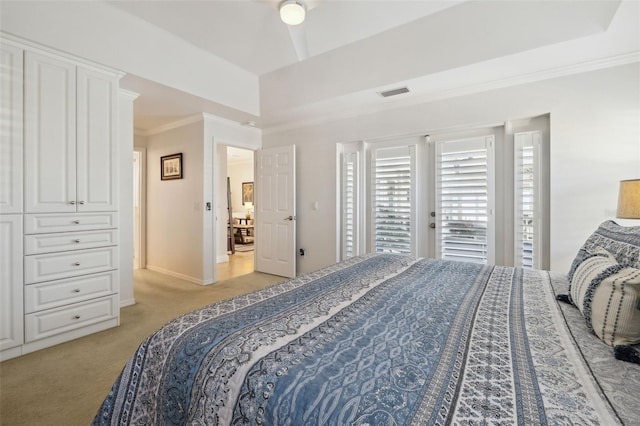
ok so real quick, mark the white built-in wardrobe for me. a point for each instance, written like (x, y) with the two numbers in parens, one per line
(59, 276)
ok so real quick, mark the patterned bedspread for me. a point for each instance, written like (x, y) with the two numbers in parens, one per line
(375, 340)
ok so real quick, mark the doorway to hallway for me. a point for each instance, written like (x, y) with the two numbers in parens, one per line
(236, 211)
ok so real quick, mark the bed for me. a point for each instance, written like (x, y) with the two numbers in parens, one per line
(381, 340)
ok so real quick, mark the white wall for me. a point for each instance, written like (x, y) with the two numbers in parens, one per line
(139, 141)
(594, 143)
(175, 207)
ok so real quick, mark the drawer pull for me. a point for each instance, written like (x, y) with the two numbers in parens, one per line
(76, 290)
(77, 222)
(76, 264)
(76, 317)
(76, 241)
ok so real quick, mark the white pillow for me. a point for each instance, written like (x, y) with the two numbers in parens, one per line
(608, 295)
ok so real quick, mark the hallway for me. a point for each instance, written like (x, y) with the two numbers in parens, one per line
(240, 263)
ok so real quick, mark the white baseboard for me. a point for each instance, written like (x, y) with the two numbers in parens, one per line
(127, 302)
(175, 274)
(222, 258)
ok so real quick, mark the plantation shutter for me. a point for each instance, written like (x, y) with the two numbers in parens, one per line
(527, 199)
(393, 171)
(350, 204)
(464, 200)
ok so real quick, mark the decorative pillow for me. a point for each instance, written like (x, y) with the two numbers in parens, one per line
(623, 242)
(595, 266)
(608, 295)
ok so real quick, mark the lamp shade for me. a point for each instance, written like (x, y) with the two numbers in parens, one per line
(629, 199)
(292, 12)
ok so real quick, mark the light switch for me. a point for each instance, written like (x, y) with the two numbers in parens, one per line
(314, 205)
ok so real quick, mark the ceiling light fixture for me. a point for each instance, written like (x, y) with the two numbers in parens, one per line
(292, 12)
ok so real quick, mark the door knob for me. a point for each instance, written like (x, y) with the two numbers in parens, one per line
(289, 218)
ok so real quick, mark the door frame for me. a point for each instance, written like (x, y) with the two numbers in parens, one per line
(219, 197)
(140, 221)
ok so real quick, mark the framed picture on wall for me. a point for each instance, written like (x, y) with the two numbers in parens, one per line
(171, 167)
(247, 192)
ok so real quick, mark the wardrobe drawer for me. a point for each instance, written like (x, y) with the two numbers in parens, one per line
(65, 222)
(51, 243)
(53, 294)
(44, 267)
(54, 321)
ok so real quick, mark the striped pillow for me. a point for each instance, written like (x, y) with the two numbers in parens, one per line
(587, 276)
(608, 295)
(623, 242)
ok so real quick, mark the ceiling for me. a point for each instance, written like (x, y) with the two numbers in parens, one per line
(348, 50)
(250, 34)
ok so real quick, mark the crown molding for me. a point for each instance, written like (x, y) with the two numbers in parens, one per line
(170, 126)
(22, 43)
(129, 94)
(204, 117)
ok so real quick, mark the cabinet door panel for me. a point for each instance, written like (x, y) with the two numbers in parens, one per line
(49, 134)
(11, 276)
(11, 135)
(96, 141)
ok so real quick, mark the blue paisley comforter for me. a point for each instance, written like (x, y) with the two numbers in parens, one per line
(375, 340)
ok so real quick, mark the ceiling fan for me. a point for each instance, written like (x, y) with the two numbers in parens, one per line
(293, 14)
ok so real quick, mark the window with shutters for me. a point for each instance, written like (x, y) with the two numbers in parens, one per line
(464, 199)
(350, 204)
(438, 196)
(392, 187)
(527, 199)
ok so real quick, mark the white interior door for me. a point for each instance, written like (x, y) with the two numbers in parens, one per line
(275, 209)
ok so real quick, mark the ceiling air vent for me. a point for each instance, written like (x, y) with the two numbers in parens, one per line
(393, 92)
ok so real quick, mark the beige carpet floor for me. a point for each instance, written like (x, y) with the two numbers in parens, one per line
(65, 384)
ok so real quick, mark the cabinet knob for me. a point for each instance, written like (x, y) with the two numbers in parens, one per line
(72, 202)
(76, 241)
(76, 317)
(77, 264)
(76, 290)
(81, 202)
(77, 222)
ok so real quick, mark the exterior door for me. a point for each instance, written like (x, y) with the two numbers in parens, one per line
(276, 211)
